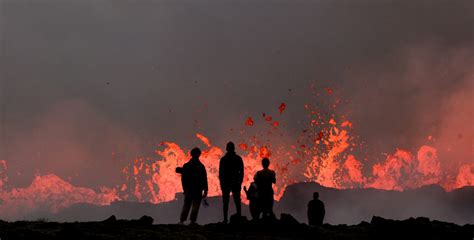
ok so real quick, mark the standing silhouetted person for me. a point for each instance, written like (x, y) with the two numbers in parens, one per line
(231, 175)
(194, 181)
(264, 180)
(316, 211)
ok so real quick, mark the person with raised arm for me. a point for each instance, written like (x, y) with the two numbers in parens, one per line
(194, 182)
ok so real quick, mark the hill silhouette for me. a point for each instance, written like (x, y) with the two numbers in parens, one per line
(350, 206)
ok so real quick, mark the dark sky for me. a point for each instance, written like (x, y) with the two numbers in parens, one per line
(81, 79)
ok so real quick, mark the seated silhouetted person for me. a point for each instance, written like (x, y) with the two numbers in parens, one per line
(194, 181)
(231, 175)
(252, 196)
(264, 180)
(316, 211)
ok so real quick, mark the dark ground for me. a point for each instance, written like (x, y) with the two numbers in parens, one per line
(343, 206)
(286, 228)
(352, 206)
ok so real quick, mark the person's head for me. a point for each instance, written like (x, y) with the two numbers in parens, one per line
(265, 163)
(230, 147)
(315, 195)
(195, 153)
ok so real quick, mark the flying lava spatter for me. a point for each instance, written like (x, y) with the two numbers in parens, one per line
(325, 152)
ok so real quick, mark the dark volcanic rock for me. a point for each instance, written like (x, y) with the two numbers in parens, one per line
(70, 231)
(111, 219)
(145, 220)
(416, 228)
(287, 219)
(350, 206)
(287, 228)
(236, 219)
(355, 205)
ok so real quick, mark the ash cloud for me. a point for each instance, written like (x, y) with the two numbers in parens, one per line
(148, 70)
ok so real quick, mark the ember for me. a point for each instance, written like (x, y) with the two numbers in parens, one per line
(282, 108)
(324, 153)
(249, 121)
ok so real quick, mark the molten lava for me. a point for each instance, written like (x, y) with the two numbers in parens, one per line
(50, 193)
(325, 152)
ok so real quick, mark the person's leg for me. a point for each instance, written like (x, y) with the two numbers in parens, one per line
(263, 203)
(270, 207)
(237, 200)
(186, 207)
(254, 210)
(320, 219)
(225, 201)
(311, 218)
(267, 205)
(322, 216)
(196, 203)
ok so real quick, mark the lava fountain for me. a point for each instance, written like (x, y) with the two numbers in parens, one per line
(325, 152)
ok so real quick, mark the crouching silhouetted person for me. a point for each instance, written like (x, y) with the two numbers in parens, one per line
(252, 196)
(316, 211)
(264, 180)
(194, 181)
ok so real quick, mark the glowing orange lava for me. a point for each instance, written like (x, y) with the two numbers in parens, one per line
(50, 193)
(324, 153)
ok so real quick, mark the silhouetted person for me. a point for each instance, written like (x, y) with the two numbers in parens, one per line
(264, 180)
(194, 181)
(231, 175)
(316, 211)
(252, 196)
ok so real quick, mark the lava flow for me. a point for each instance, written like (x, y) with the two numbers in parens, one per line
(47, 193)
(325, 152)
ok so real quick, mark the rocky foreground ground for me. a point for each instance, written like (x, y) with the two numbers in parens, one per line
(348, 206)
(285, 228)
